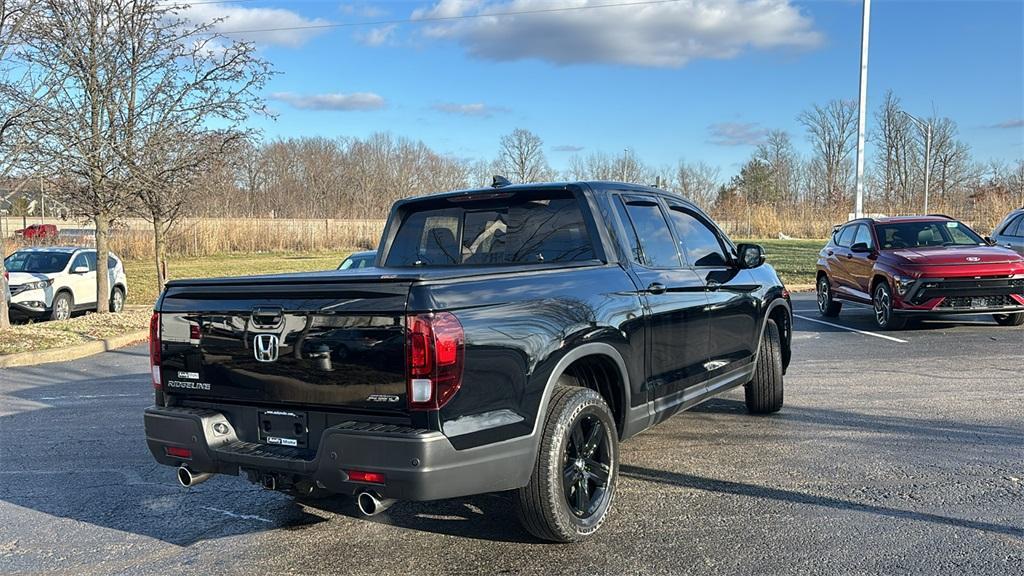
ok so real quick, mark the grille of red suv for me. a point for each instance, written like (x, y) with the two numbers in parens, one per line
(968, 302)
(960, 289)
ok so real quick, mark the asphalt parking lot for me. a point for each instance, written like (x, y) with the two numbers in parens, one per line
(900, 453)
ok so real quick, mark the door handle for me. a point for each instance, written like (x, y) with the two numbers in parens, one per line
(713, 286)
(656, 288)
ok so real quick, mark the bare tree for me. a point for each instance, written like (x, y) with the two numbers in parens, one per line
(15, 78)
(698, 182)
(832, 131)
(894, 139)
(521, 157)
(777, 153)
(179, 79)
(79, 127)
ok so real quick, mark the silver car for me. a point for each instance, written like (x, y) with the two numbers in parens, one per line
(1010, 232)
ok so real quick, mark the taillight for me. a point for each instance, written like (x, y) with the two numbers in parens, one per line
(154, 349)
(434, 355)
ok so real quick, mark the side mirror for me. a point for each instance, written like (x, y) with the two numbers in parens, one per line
(750, 255)
(80, 270)
(860, 248)
(990, 241)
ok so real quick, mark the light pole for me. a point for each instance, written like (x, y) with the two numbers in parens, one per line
(925, 127)
(858, 207)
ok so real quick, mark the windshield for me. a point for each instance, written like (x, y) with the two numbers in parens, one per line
(37, 262)
(508, 230)
(926, 235)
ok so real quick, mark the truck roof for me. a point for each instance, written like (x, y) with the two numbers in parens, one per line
(595, 185)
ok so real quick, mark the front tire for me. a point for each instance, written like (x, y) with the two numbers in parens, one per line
(827, 306)
(764, 393)
(572, 485)
(1015, 319)
(61, 307)
(885, 318)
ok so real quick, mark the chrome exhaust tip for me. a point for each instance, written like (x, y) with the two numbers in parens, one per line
(371, 504)
(189, 478)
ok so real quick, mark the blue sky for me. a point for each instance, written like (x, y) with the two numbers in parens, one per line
(693, 79)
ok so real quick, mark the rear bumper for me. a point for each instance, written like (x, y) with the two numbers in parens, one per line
(417, 464)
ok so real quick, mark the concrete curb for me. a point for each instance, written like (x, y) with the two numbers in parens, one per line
(72, 352)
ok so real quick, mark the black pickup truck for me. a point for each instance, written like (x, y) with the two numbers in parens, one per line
(507, 338)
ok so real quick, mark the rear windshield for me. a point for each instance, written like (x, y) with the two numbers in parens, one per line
(38, 262)
(510, 230)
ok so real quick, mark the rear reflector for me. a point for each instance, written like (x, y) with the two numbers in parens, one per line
(176, 452)
(361, 476)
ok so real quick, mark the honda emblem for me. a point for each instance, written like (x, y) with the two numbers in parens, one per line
(265, 347)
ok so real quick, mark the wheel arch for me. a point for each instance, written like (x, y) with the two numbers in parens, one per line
(875, 279)
(781, 312)
(600, 367)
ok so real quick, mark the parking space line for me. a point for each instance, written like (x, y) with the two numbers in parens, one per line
(864, 332)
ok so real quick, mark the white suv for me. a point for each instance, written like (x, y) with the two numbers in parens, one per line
(56, 282)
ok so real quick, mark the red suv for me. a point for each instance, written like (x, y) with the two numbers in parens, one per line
(919, 265)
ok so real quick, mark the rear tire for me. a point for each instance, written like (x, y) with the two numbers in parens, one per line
(61, 307)
(572, 485)
(764, 393)
(117, 300)
(1015, 319)
(827, 306)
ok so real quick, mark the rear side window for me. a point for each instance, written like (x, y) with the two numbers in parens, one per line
(656, 247)
(514, 230)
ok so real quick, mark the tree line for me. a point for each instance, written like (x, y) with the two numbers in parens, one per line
(127, 108)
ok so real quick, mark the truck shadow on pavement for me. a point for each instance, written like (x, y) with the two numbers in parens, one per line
(76, 450)
(944, 431)
(790, 496)
(488, 517)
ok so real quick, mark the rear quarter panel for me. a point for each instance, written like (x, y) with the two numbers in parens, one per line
(517, 328)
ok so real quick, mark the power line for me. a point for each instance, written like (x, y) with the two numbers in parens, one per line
(440, 18)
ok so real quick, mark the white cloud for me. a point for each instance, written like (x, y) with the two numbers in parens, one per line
(376, 36)
(331, 101)
(477, 109)
(1015, 123)
(736, 133)
(665, 35)
(231, 18)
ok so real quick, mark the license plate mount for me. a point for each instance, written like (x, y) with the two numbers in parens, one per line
(284, 428)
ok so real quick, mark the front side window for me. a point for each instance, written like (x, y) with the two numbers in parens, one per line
(657, 247)
(697, 242)
(863, 236)
(844, 237)
(1015, 228)
(511, 230)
